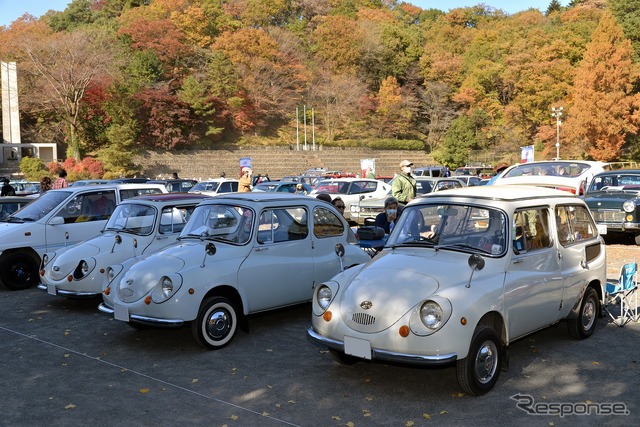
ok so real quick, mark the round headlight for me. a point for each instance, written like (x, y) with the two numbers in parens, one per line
(354, 208)
(84, 268)
(45, 259)
(629, 205)
(431, 314)
(324, 296)
(167, 286)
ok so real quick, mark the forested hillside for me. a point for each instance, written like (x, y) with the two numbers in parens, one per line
(106, 77)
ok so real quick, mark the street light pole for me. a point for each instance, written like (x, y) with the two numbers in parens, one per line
(557, 113)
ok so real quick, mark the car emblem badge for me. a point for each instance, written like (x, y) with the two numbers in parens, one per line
(56, 268)
(129, 282)
(366, 305)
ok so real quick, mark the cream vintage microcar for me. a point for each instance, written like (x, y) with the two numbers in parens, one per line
(239, 254)
(463, 274)
(138, 226)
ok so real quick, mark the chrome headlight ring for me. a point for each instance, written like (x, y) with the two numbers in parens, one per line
(166, 287)
(430, 315)
(629, 206)
(85, 266)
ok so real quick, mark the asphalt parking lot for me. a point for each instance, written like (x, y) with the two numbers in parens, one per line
(64, 363)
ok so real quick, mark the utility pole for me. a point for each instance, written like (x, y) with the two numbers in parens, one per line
(557, 113)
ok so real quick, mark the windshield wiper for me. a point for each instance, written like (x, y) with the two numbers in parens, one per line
(15, 219)
(461, 245)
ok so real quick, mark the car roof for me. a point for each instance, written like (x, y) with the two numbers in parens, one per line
(171, 197)
(620, 172)
(164, 181)
(348, 179)
(218, 180)
(117, 185)
(261, 197)
(506, 193)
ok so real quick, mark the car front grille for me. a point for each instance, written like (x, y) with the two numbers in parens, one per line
(363, 319)
(608, 216)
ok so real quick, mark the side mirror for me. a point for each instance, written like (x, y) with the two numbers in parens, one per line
(476, 262)
(210, 249)
(340, 250)
(56, 220)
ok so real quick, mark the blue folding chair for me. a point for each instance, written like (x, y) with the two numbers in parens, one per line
(623, 291)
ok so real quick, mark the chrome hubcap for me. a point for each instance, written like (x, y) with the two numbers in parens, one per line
(486, 361)
(218, 324)
(588, 314)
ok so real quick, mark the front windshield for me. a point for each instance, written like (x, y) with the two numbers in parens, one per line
(41, 206)
(226, 223)
(557, 169)
(132, 218)
(452, 226)
(618, 181)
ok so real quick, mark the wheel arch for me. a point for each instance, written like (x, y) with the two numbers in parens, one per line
(228, 292)
(494, 320)
(24, 250)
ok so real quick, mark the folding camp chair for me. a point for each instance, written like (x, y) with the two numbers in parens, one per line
(623, 291)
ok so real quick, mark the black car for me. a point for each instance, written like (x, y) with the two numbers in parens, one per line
(613, 198)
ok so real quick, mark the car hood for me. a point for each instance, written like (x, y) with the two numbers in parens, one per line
(13, 234)
(146, 273)
(609, 199)
(392, 284)
(67, 259)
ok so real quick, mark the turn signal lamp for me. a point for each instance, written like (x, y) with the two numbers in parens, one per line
(463, 321)
(107, 291)
(404, 331)
(327, 316)
(147, 300)
(69, 278)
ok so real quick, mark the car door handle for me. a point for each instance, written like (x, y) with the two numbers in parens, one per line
(162, 237)
(261, 249)
(518, 260)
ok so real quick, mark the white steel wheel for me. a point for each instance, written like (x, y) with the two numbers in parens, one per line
(216, 324)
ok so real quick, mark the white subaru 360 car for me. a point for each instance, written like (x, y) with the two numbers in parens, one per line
(463, 274)
(239, 254)
(138, 226)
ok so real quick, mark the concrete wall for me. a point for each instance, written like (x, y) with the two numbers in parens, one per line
(275, 161)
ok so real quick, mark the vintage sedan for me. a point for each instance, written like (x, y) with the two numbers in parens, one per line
(367, 210)
(239, 254)
(352, 191)
(138, 226)
(463, 274)
(614, 200)
(215, 186)
(568, 175)
(281, 187)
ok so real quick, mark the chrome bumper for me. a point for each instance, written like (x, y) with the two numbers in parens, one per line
(620, 227)
(72, 294)
(383, 355)
(144, 320)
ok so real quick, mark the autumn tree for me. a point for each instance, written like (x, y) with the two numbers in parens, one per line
(627, 13)
(63, 66)
(604, 110)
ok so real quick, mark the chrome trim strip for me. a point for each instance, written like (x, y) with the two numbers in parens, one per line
(73, 294)
(136, 318)
(384, 355)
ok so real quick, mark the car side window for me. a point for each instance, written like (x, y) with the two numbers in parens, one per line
(574, 223)
(530, 230)
(89, 207)
(282, 225)
(173, 219)
(326, 223)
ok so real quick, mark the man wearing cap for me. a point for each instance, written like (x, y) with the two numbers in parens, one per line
(404, 184)
(7, 189)
(498, 169)
(244, 184)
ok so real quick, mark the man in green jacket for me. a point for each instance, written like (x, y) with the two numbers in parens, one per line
(404, 184)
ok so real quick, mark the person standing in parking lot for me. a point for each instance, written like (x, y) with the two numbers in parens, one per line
(7, 189)
(244, 186)
(61, 180)
(404, 184)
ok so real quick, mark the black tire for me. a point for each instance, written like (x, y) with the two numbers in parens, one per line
(479, 371)
(583, 326)
(19, 271)
(342, 358)
(216, 324)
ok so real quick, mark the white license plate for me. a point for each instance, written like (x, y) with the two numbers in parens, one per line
(51, 289)
(121, 313)
(357, 347)
(602, 228)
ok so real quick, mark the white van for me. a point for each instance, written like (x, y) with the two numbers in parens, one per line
(56, 219)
